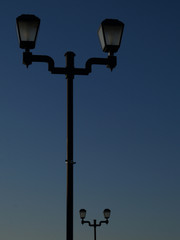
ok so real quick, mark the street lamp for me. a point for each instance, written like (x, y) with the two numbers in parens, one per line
(106, 212)
(110, 34)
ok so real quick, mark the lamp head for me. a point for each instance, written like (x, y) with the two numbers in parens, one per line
(107, 213)
(82, 213)
(110, 35)
(27, 30)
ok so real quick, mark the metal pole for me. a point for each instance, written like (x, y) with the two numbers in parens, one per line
(69, 210)
(95, 229)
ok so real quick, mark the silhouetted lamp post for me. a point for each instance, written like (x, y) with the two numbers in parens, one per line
(110, 34)
(106, 212)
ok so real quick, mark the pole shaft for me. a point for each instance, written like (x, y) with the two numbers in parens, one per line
(95, 229)
(69, 210)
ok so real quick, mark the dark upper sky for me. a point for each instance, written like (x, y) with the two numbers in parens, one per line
(126, 123)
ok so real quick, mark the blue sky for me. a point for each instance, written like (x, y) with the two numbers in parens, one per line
(126, 123)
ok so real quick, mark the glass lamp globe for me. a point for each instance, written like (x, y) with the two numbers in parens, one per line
(82, 213)
(110, 35)
(27, 30)
(107, 213)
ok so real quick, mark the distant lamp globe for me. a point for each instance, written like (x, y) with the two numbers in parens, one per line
(110, 35)
(107, 213)
(27, 29)
(82, 213)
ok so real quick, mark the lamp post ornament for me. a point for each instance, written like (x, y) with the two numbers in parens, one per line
(110, 35)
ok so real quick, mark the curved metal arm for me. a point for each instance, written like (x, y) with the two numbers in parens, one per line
(89, 223)
(106, 221)
(28, 58)
(110, 62)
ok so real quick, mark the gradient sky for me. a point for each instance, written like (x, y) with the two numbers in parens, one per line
(126, 123)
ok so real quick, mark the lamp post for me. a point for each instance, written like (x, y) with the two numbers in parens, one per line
(106, 212)
(110, 34)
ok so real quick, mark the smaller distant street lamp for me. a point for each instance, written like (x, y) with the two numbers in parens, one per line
(106, 212)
